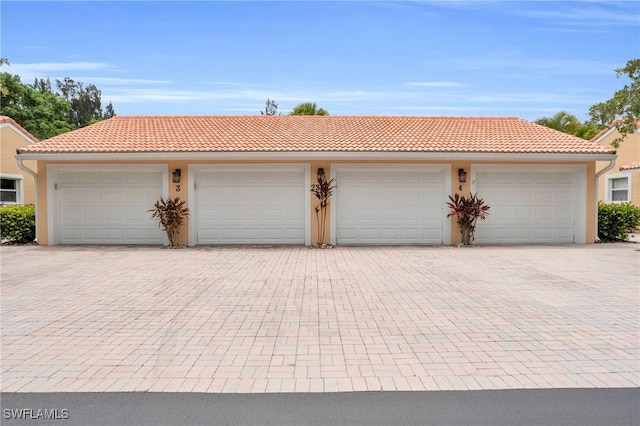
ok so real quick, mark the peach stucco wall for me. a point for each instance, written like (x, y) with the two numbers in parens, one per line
(628, 152)
(456, 187)
(10, 141)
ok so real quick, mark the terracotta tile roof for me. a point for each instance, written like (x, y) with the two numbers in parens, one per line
(632, 166)
(611, 126)
(8, 120)
(138, 134)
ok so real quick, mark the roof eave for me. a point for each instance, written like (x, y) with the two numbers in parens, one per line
(317, 155)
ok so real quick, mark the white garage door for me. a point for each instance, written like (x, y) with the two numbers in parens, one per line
(250, 205)
(108, 206)
(541, 204)
(390, 204)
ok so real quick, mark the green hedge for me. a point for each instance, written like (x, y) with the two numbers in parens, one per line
(18, 223)
(615, 221)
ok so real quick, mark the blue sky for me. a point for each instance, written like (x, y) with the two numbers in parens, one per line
(457, 58)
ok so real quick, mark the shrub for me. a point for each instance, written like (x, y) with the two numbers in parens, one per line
(467, 210)
(323, 190)
(170, 214)
(18, 223)
(615, 221)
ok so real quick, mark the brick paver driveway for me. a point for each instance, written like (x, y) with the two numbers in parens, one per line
(287, 319)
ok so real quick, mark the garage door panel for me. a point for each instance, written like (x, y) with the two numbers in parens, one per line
(523, 214)
(543, 214)
(544, 233)
(432, 234)
(228, 234)
(535, 205)
(90, 197)
(387, 234)
(91, 179)
(91, 236)
(92, 215)
(390, 215)
(141, 198)
(111, 197)
(522, 233)
(69, 178)
(113, 215)
(414, 215)
(250, 207)
(505, 197)
(565, 234)
(520, 179)
(500, 215)
(563, 197)
(411, 178)
(564, 178)
(389, 206)
(113, 234)
(70, 215)
(108, 206)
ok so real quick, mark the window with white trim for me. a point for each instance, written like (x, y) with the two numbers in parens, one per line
(618, 189)
(11, 189)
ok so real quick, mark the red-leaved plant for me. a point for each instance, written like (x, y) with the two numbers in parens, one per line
(323, 190)
(170, 214)
(467, 210)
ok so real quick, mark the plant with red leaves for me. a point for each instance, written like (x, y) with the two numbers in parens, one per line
(323, 190)
(171, 214)
(467, 210)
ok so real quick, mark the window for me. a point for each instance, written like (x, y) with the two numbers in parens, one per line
(618, 190)
(10, 190)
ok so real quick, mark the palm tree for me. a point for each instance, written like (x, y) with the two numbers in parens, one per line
(308, 108)
(561, 121)
(568, 123)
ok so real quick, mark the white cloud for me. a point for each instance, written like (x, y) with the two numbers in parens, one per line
(437, 84)
(517, 63)
(542, 98)
(450, 108)
(28, 72)
(586, 16)
(132, 95)
(153, 95)
(118, 81)
(41, 67)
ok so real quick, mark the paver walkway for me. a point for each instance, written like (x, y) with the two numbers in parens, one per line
(287, 319)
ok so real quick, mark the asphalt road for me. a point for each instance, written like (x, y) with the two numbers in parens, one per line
(584, 407)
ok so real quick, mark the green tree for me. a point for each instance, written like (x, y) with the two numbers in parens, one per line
(3, 90)
(623, 109)
(43, 114)
(271, 108)
(109, 111)
(86, 102)
(42, 85)
(568, 123)
(308, 108)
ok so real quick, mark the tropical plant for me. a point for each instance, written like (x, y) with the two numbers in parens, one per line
(467, 210)
(323, 190)
(271, 108)
(569, 123)
(617, 220)
(308, 108)
(170, 214)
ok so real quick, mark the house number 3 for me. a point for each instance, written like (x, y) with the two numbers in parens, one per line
(177, 188)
